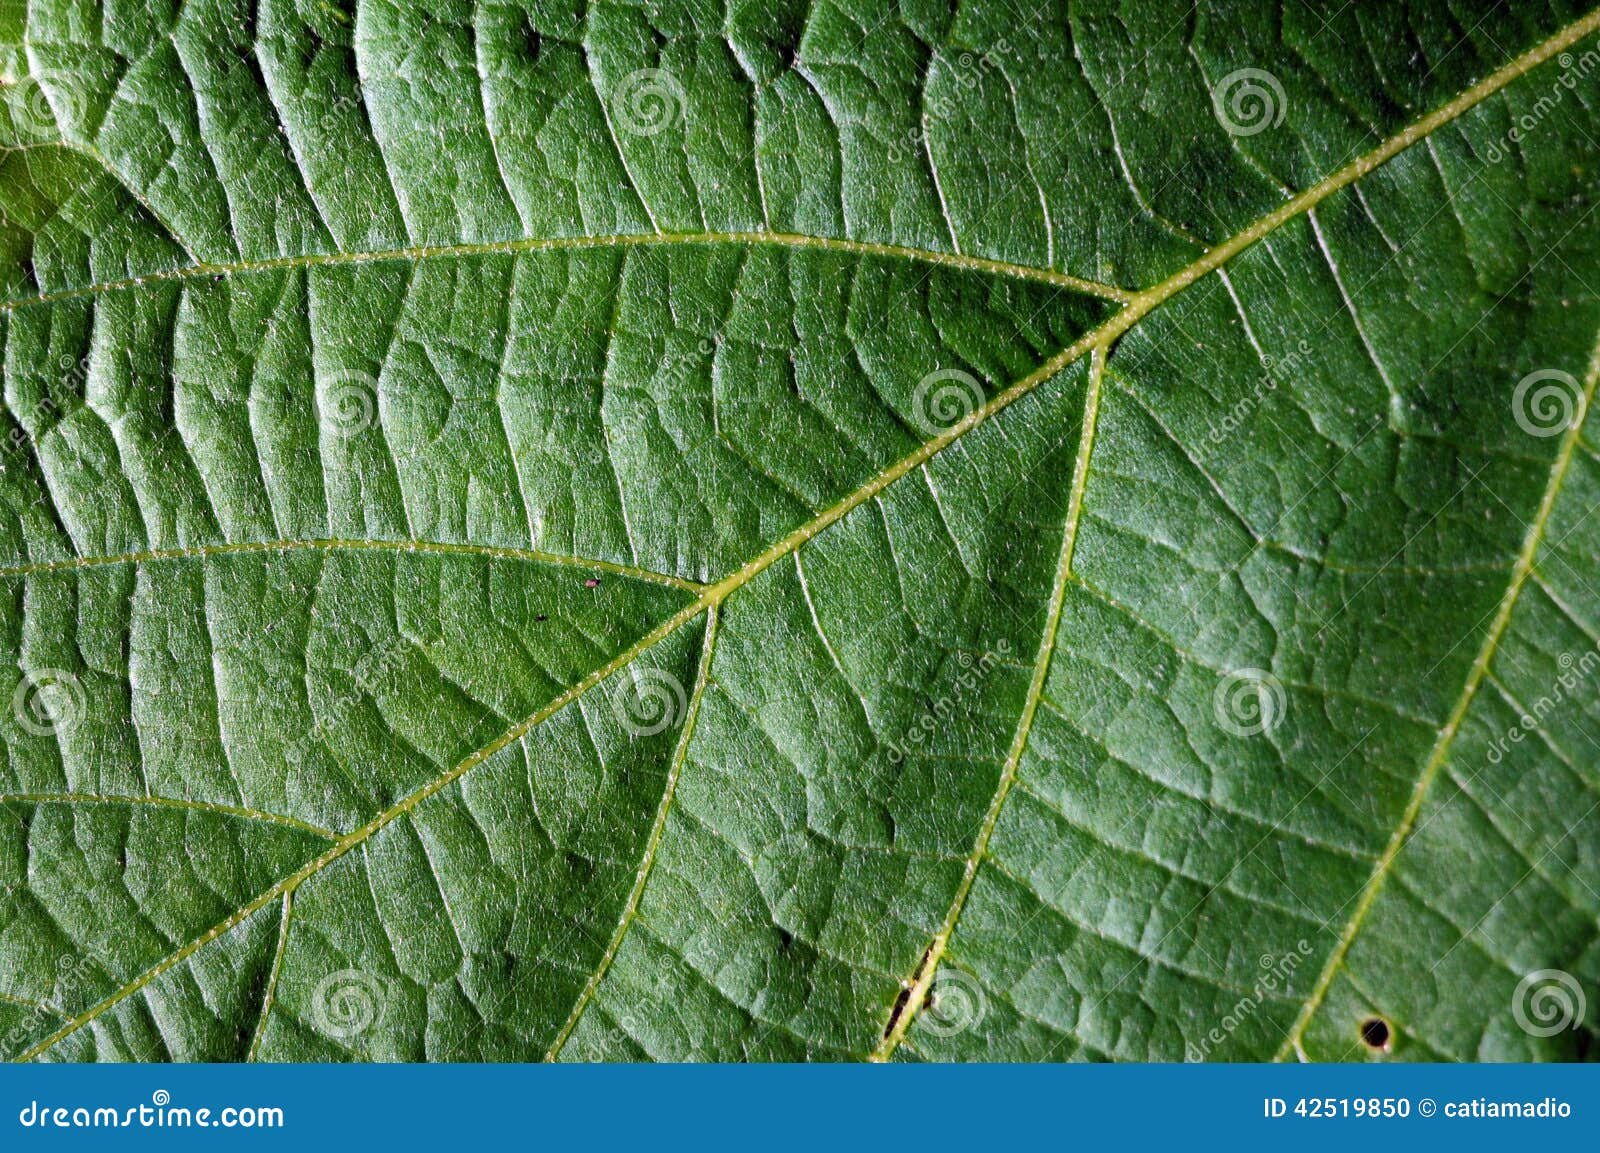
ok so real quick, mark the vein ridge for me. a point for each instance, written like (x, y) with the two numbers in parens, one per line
(202, 269)
(168, 803)
(711, 596)
(334, 544)
(923, 980)
(1440, 752)
(630, 909)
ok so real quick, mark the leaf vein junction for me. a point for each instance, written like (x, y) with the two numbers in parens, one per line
(712, 596)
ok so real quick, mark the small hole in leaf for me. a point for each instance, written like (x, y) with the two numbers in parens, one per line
(1375, 1034)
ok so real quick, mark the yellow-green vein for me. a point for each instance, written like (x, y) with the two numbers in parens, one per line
(623, 240)
(630, 908)
(168, 803)
(359, 836)
(715, 594)
(272, 977)
(1447, 734)
(929, 968)
(32, 1006)
(334, 544)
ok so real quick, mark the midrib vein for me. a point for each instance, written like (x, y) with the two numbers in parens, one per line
(630, 908)
(929, 968)
(1520, 571)
(1100, 341)
(202, 270)
(712, 596)
(359, 836)
(333, 544)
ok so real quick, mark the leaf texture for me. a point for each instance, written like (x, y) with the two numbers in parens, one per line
(798, 531)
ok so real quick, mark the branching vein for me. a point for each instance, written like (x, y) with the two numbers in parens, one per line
(712, 596)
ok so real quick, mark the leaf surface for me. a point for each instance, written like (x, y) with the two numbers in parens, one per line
(854, 531)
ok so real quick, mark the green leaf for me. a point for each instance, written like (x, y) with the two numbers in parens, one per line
(772, 532)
